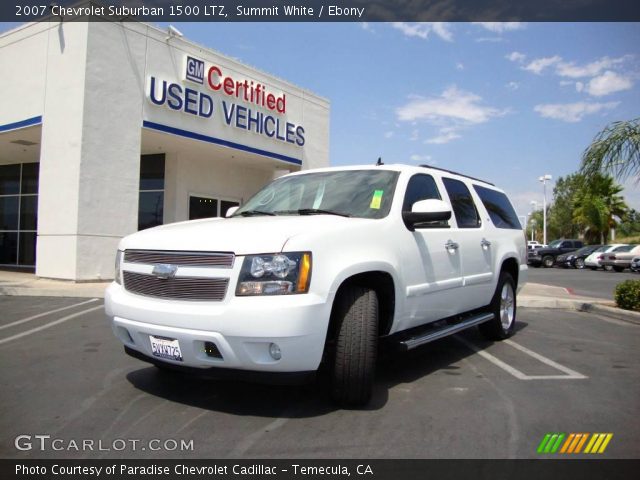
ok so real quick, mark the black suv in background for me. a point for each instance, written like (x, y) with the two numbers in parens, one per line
(547, 256)
(576, 259)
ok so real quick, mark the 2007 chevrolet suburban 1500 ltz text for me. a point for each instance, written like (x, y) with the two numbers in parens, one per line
(315, 270)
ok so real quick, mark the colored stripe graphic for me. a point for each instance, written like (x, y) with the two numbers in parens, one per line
(573, 443)
(551, 442)
(598, 443)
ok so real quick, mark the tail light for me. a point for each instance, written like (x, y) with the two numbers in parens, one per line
(612, 257)
(600, 257)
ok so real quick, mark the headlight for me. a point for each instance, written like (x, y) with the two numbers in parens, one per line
(276, 274)
(118, 272)
(571, 257)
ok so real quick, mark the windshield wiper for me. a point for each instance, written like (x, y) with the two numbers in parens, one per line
(251, 213)
(319, 211)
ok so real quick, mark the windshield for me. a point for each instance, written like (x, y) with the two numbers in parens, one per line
(555, 243)
(350, 193)
(624, 248)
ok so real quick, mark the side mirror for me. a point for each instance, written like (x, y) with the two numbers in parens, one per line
(231, 211)
(425, 211)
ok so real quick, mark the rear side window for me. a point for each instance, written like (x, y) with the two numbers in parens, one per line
(463, 207)
(420, 187)
(500, 210)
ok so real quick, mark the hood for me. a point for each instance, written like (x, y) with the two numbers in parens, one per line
(241, 235)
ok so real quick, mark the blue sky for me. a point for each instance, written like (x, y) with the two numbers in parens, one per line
(504, 102)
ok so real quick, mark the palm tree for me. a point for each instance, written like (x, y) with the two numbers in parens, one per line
(616, 150)
(597, 204)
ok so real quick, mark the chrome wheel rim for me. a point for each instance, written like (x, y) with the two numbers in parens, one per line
(507, 306)
(579, 263)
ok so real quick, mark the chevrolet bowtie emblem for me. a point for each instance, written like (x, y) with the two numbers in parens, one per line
(164, 270)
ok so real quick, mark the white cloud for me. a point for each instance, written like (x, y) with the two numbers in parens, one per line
(571, 70)
(366, 26)
(459, 66)
(415, 135)
(388, 134)
(516, 57)
(579, 86)
(452, 105)
(420, 158)
(513, 85)
(424, 29)
(489, 39)
(607, 83)
(500, 27)
(572, 112)
(445, 136)
(539, 64)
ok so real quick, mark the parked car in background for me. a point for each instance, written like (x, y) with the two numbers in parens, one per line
(621, 259)
(635, 264)
(546, 256)
(576, 259)
(533, 244)
(593, 260)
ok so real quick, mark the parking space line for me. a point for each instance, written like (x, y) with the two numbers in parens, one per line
(49, 325)
(570, 374)
(44, 314)
(543, 359)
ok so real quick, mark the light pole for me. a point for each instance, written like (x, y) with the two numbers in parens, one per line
(544, 179)
(534, 206)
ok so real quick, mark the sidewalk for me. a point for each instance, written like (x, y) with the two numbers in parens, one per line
(533, 295)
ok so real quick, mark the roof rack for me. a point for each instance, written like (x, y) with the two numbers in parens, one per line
(456, 173)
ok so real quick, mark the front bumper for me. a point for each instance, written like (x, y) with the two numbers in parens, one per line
(242, 329)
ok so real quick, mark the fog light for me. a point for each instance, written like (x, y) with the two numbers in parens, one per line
(274, 351)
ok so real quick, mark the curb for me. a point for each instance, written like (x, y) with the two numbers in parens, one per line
(613, 312)
(51, 292)
(580, 306)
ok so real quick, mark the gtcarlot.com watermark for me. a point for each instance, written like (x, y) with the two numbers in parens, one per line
(46, 443)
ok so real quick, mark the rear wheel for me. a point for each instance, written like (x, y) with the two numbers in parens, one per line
(503, 306)
(579, 263)
(356, 346)
(547, 261)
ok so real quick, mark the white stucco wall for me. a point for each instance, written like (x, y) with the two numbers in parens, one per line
(89, 83)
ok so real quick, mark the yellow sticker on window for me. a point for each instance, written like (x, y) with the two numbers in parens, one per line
(376, 200)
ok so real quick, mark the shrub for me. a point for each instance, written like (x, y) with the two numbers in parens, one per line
(627, 295)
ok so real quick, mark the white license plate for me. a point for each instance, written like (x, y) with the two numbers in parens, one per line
(168, 348)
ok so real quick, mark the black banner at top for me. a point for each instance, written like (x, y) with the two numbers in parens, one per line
(321, 10)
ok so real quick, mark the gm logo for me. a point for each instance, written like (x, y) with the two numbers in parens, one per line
(195, 70)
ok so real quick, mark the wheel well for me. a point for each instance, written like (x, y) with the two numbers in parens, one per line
(383, 285)
(510, 265)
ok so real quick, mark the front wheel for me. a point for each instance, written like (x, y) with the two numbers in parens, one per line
(579, 263)
(548, 261)
(356, 346)
(503, 306)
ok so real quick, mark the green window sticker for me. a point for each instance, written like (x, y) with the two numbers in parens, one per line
(376, 200)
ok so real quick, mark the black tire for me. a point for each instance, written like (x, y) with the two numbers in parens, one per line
(495, 329)
(618, 269)
(547, 261)
(593, 268)
(579, 263)
(356, 346)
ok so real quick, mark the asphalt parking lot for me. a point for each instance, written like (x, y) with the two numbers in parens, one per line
(63, 374)
(586, 282)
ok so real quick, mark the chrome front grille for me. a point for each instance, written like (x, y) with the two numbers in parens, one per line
(191, 259)
(176, 288)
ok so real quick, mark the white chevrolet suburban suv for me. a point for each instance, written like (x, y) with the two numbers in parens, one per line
(317, 269)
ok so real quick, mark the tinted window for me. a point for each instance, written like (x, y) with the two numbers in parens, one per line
(462, 203)
(566, 245)
(30, 177)
(420, 187)
(152, 172)
(10, 179)
(500, 210)
(150, 210)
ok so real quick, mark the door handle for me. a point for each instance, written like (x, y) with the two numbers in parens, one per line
(450, 245)
(485, 243)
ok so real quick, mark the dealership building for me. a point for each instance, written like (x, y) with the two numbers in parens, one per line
(107, 128)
